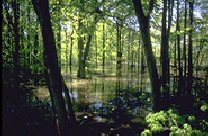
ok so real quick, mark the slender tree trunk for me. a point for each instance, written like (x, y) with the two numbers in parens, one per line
(164, 52)
(184, 51)
(184, 48)
(170, 14)
(132, 56)
(52, 70)
(129, 45)
(35, 61)
(118, 48)
(103, 48)
(16, 55)
(151, 62)
(81, 66)
(66, 51)
(190, 50)
(178, 50)
(70, 54)
(139, 56)
(96, 53)
(59, 35)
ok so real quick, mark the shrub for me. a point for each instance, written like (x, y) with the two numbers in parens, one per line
(172, 122)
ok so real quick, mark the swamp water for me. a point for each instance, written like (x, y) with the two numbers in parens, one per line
(106, 98)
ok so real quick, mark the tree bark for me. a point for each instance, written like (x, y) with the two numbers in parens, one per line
(103, 63)
(151, 62)
(118, 48)
(190, 50)
(52, 70)
(81, 65)
(179, 52)
(184, 48)
(164, 52)
(70, 54)
(16, 54)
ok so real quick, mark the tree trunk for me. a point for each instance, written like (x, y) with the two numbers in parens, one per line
(66, 51)
(184, 48)
(164, 52)
(96, 53)
(151, 62)
(190, 50)
(16, 55)
(129, 44)
(118, 48)
(178, 50)
(59, 35)
(103, 48)
(70, 54)
(52, 70)
(81, 65)
(83, 52)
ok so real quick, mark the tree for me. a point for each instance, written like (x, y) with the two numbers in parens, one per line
(16, 54)
(164, 51)
(52, 70)
(190, 49)
(84, 51)
(184, 47)
(179, 51)
(144, 21)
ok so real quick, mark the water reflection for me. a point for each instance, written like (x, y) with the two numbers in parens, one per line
(106, 96)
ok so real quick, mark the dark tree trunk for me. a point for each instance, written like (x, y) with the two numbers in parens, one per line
(16, 55)
(52, 70)
(190, 50)
(103, 48)
(151, 62)
(66, 51)
(132, 55)
(118, 47)
(58, 44)
(96, 53)
(164, 51)
(35, 61)
(70, 54)
(178, 50)
(184, 48)
(81, 65)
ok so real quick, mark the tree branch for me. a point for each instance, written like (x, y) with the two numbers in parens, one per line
(138, 8)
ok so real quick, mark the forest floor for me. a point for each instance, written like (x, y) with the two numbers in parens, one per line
(25, 117)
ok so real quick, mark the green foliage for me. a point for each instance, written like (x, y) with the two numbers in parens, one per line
(146, 132)
(170, 120)
(204, 107)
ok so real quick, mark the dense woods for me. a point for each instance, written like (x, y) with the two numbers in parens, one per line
(102, 67)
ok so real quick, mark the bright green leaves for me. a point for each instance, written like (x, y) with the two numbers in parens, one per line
(146, 132)
(145, 5)
(170, 120)
(157, 121)
(191, 118)
(204, 107)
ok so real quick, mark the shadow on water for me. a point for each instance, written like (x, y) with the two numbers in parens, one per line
(108, 104)
(103, 104)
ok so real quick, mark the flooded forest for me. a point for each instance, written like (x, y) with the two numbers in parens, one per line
(104, 68)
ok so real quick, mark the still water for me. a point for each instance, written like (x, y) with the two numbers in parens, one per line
(101, 94)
